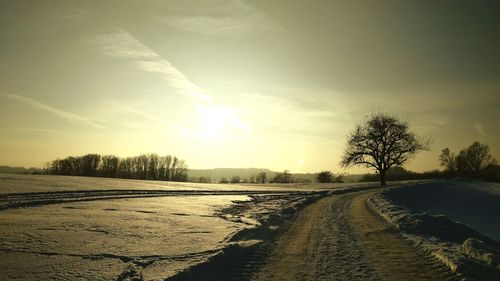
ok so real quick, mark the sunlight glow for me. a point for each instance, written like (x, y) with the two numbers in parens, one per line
(217, 122)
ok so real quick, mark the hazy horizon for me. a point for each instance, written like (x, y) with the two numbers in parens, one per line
(235, 84)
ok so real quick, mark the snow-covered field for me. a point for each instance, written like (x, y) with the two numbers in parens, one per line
(473, 203)
(13, 183)
(457, 222)
(98, 239)
(76, 228)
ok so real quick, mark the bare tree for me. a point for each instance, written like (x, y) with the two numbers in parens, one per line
(381, 142)
(284, 177)
(125, 168)
(448, 160)
(109, 166)
(252, 178)
(145, 166)
(173, 168)
(153, 160)
(142, 165)
(324, 177)
(168, 167)
(179, 170)
(90, 164)
(235, 179)
(161, 167)
(474, 159)
(261, 177)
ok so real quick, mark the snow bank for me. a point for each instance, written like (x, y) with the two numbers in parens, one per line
(468, 253)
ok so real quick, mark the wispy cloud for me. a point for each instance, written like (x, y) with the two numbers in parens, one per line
(220, 18)
(173, 76)
(215, 25)
(479, 129)
(277, 116)
(145, 115)
(121, 44)
(74, 13)
(55, 111)
(129, 109)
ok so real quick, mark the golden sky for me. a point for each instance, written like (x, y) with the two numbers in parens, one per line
(234, 83)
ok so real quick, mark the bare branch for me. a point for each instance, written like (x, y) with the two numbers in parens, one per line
(381, 142)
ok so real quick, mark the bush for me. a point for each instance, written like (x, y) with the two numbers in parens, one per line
(284, 177)
(324, 177)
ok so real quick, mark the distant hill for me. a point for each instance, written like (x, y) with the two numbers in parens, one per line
(219, 173)
(244, 173)
(214, 174)
(17, 170)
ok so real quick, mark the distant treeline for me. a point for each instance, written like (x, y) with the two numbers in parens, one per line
(260, 177)
(474, 161)
(400, 174)
(19, 170)
(267, 176)
(145, 167)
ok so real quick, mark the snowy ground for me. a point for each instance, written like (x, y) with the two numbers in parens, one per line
(476, 204)
(14, 183)
(105, 236)
(76, 228)
(454, 221)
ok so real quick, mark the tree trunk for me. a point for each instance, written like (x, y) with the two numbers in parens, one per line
(382, 178)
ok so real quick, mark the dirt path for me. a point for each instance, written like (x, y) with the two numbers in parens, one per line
(339, 238)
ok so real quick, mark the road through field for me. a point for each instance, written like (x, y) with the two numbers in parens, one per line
(340, 238)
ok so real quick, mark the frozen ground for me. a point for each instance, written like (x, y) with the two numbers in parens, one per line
(75, 228)
(454, 221)
(13, 183)
(476, 204)
(99, 239)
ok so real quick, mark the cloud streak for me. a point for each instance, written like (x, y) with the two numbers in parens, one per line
(55, 111)
(121, 44)
(175, 78)
(220, 18)
(215, 26)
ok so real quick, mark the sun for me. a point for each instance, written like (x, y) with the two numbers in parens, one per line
(212, 123)
(217, 122)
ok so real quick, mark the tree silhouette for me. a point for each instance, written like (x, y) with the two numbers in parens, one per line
(145, 166)
(235, 179)
(381, 142)
(324, 177)
(109, 166)
(261, 177)
(448, 160)
(284, 177)
(90, 164)
(474, 159)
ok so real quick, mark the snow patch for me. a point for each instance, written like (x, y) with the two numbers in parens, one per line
(468, 253)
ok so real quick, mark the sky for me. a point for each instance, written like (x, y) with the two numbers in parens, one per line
(235, 83)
